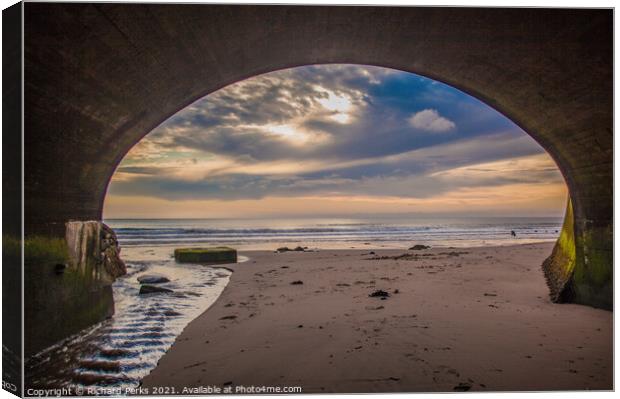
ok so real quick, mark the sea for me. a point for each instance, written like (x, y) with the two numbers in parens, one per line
(337, 233)
(113, 356)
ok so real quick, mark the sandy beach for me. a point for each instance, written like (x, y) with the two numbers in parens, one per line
(456, 319)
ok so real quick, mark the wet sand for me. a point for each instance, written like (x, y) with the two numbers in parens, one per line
(457, 319)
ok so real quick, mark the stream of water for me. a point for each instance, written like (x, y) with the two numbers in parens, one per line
(118, 352)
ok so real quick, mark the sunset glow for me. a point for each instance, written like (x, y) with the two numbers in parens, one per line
(336, 140)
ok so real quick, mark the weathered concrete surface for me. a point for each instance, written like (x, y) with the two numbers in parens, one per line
(572, 278)
(68, 283)
(559, 267)
(95, 241)
(100, 77)
(206, 255)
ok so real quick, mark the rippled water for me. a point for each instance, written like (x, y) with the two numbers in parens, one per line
(120, 351)
(395, 232)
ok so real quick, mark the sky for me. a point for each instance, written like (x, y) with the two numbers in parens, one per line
(336, 140)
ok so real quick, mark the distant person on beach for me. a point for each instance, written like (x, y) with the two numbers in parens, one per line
(512, 233)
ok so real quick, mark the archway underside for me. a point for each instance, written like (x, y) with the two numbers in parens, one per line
(100, 77)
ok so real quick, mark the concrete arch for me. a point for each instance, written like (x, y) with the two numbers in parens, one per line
(100, 77)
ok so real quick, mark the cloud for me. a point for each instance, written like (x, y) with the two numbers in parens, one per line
(430, 120)
(418, 174)
(291, 113)
(189, 165)
(333, 131)
(322, 113)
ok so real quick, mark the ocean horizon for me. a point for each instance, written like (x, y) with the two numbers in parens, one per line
(337, 232)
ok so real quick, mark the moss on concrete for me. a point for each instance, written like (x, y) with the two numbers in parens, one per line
(559, 267)
(206, 255)
(60, 301)
(44, 248)
(11, 246)
(36, 248)
(580, 268)
(592, 280)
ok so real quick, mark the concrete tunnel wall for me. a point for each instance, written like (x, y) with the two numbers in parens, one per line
(101, 76)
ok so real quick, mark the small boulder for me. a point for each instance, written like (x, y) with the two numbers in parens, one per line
(419, 247)
(287, 249)
(153, 279)
(152, 289)
(379, 294)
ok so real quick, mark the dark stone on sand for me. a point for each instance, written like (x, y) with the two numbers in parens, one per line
(462, 387)
(419, 247)
(232, 317)
(153, 279)
(297, 282)
(379, 294)
(151, 289)
(287, 249)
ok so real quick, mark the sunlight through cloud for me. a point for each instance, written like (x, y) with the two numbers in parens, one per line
(354, 132)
